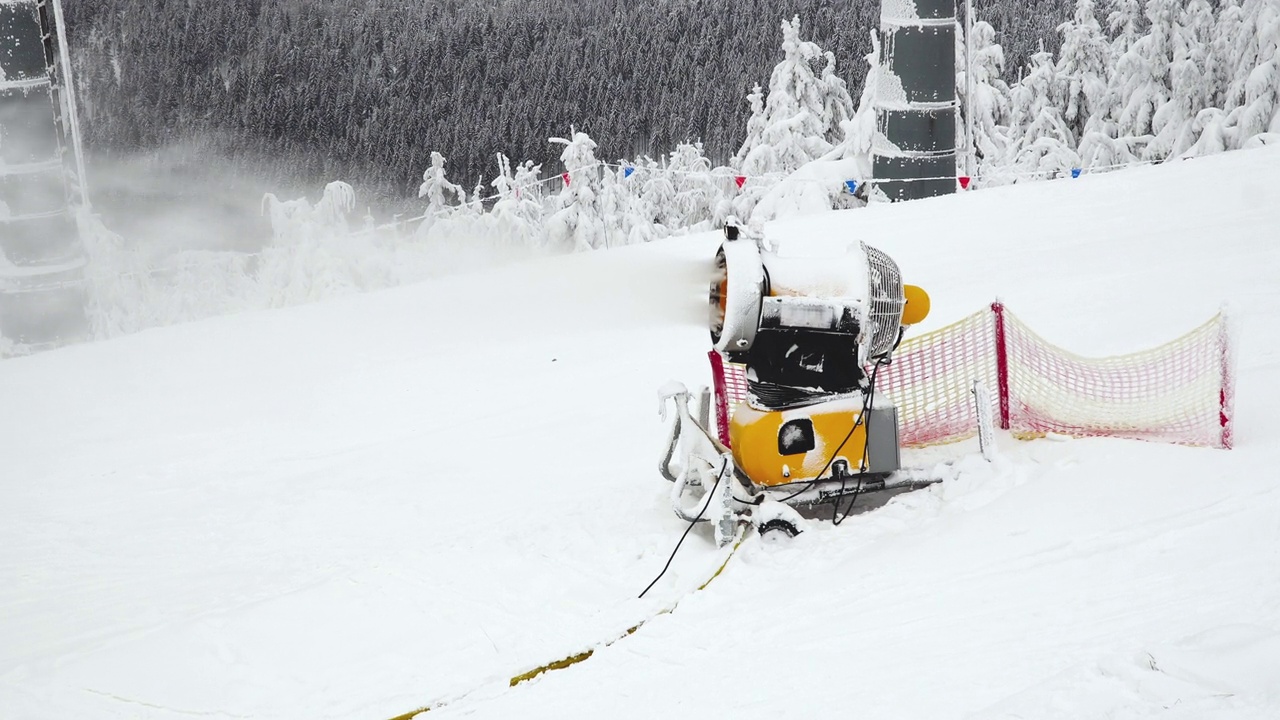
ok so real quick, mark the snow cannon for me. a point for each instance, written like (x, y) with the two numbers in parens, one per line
(810, 324)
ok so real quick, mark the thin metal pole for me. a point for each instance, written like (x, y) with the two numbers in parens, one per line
(69, 93)
(969, 156)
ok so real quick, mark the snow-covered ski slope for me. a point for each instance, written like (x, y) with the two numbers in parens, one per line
(361, 507)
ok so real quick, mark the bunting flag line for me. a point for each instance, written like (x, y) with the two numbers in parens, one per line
(740, 180)
(1075, 172)
(852, 185)
(964, 182)
(626, 172)
(565, 177)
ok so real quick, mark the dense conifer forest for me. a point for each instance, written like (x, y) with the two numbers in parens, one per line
(366, 89)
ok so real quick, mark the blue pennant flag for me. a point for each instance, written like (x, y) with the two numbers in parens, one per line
(852, 185)
(626, 172)
(1075, 172)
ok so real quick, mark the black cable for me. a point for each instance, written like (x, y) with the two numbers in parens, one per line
(866, 406)
(710, 496)
(836, 517)
(818, 478)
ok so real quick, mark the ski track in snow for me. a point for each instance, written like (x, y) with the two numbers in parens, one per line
(363, 506)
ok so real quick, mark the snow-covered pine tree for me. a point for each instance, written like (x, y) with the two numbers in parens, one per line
(337, 203)
(755, 127)
(726, 192)
(613, 202)
(1084, 66)
(1102, 143)
(530, 190)
(1100, 149)
(517, 208)
(837, 105)
(991, 100)
(1141, 83)
(1211, 125)
(641, 219)
(1227, 47)
(860, 131)
(1125, 23)
(437, 189)
(1041, 143)
(1040, 88)
(695, 192)
(523, 194)
(1198, 22)
(803, 119)
(504, 184)
(794, 123)
(1260, 111)
(576, 224)
(475, 205)
(1238, 49)
(1190, 90)
(658, 194)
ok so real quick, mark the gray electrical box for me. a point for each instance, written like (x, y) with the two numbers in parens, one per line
(884, 455)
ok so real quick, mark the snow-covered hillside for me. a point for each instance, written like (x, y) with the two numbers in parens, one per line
(360, 507)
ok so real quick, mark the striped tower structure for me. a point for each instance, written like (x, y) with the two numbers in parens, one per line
(915, 155)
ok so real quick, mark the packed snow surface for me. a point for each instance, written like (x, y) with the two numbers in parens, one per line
(361, 507)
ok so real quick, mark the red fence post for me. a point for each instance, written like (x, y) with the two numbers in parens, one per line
(1226, 395)
(1002, 363)
(722, 395)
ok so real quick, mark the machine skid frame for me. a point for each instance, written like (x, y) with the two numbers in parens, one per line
(707, 486)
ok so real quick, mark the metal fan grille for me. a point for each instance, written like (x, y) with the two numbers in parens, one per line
(884, 291)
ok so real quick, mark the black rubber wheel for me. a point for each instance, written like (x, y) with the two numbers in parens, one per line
(779, 525)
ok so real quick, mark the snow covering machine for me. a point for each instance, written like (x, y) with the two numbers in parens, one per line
(813, 323)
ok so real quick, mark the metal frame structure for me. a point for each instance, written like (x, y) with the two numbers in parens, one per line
(43, 188)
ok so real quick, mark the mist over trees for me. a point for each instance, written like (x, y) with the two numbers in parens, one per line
(367, 89)
(1132, 82)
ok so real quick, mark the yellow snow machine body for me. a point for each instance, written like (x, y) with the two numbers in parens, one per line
(812, 322)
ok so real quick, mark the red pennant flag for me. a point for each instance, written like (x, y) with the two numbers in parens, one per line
(741, 180)
(964, 182)
(565, 177)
